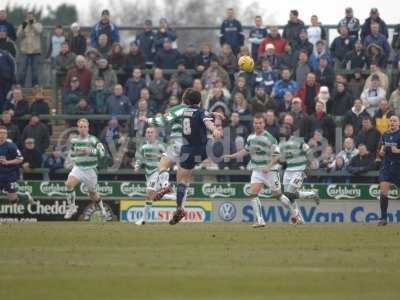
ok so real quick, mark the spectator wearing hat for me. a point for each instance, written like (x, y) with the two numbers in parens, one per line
(6, 43)
(325, 73)
(214, 74)
(10, 27)
(374, 18)
(83, 74)
(118, 103)
(92, 56)
(352, 23)
(342, 100)
(302, 43)
(292, 29)
(63, 62)
(356, 84)
(356, 58)
(320, 50)
(165, 32)
(283, 85)
(37, 131)
(231, 32)
(342, 45)
(134, 85)
(182, 75)
(371, 96)
(54, 161)
(308, 93)
(203, 59)
(167, 57)
(105, 71)
(29, 34)
(145, 42)
(256, 36)
(315, 32)
(269, 54)
(266, 77)
(77, 41)
(106, 27)
(7, 75)
(368, 135)
(355, 115)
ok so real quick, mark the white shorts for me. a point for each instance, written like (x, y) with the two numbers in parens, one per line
(87, 176)
(174, 151)
(152, 182)
(293, 181)
(270, 179)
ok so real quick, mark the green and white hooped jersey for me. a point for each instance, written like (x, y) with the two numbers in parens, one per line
(294, 152)
(149, 156)
(86, 160)
(261, 148)
(172, 117)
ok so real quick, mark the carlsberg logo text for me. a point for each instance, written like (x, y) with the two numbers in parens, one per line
(343, 192)
(214, 191)
(53, 189)
(132, 189)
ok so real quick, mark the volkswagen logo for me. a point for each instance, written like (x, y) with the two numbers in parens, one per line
(227, 211)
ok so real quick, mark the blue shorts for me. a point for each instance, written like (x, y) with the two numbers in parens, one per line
(192, 155)
(8, 184)
(390, 173)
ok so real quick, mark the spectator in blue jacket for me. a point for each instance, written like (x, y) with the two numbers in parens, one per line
(373, 18)
(284, 85)
(11, 33)
(134, 85)
(256, 35)
(342, 44)
(375, 37)
(54, 161)
(167, 57)
(231, 32)
(104, 26)
(7, 75)
(320, 51)
(165, 32)
(146, 42)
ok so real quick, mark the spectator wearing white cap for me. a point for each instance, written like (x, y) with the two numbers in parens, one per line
(269, 54)
(78, 43)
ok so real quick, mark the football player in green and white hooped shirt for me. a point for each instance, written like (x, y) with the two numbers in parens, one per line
(85, 152)
(264, 156)
(295, 153)
(173, 118)
(149, 156)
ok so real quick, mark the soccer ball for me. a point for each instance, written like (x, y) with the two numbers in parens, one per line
(246, 63)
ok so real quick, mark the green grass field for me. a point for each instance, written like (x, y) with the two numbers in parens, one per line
(122, 261)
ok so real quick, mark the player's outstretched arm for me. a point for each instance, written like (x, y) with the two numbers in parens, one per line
(237, 155)
(213, 129)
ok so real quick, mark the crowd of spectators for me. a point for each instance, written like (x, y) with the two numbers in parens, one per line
(300, 78)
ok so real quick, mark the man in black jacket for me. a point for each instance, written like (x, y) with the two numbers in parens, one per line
(323, 122)
(355, 115)
(356, 58)
(6, 43)
(361, 163)
(167, 57)
(7, 75)
(369, 135)
(325, 74)
(145, 41)
(37, 131)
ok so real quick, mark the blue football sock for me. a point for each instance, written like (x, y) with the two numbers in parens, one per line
(180, 194)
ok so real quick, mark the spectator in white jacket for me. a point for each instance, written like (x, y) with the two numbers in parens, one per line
(371, 96)
(348, 152)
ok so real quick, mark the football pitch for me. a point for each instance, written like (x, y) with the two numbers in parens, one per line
(122, 261)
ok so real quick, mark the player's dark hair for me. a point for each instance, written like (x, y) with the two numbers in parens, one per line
(191, 97)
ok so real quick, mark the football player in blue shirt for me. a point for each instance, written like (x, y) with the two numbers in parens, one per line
(196, 123)
(390, 168)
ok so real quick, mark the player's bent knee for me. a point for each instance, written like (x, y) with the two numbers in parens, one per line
(291, 196)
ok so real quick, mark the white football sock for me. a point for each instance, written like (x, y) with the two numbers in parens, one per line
(103, 210)
(71, 196)
(257, 209)
(306, 194)
(286, 203)
(148, 205)
(163, 177)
